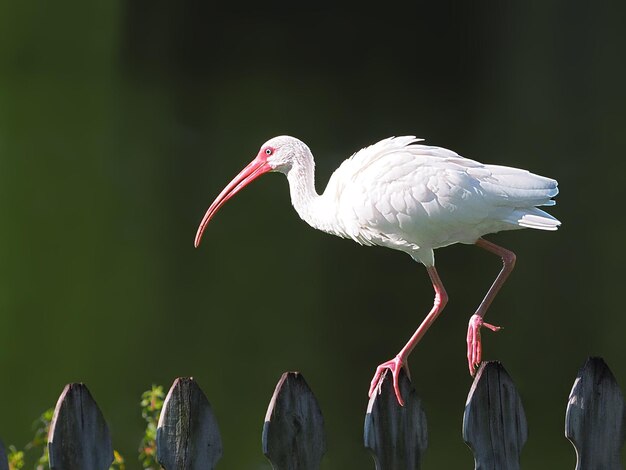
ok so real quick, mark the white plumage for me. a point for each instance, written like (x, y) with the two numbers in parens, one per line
(416, 198)
(410, 197)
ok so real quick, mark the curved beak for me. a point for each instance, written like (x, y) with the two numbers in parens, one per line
(252, 171)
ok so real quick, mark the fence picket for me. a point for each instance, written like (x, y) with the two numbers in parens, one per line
(79, 437)
(494, 423)
(293, 432)
(4, 462)
(397, 436)
(595, 417)
(188, 437)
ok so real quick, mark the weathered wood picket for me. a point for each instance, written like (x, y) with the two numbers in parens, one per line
(494, 425)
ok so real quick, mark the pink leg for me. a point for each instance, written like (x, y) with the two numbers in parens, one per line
(398, 362)
(474, 347)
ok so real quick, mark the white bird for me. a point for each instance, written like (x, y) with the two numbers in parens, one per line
(413, 198)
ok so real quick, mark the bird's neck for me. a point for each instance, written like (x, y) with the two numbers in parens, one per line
(304, 197)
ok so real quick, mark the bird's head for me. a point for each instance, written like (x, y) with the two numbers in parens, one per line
(277, 154)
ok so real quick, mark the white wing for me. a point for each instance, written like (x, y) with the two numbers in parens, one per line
(408, 196)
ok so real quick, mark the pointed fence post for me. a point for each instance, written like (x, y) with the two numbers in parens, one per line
(4, 462)
(396, 435)
(293, 432)
(79, 437)
(494, 423)
(188, 437)
(595, 419)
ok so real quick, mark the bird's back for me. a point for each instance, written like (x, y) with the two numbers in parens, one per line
(409, 196)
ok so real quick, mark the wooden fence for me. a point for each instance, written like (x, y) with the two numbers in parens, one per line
(494, 425)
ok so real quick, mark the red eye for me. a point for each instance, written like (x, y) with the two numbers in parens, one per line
(268, 151)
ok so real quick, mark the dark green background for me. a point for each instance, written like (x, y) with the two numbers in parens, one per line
(121, 121)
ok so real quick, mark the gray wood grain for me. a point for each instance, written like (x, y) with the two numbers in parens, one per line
(595, 419)
(293, 432)
(188, 437)
(494, 423)
(79, 437)
(397, 436)
(4, 463)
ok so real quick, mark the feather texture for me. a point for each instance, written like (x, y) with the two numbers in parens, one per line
(404, 195)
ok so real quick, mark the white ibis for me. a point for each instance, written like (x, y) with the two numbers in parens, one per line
(413, 198)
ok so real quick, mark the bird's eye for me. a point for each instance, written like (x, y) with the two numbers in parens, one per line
(268, 151)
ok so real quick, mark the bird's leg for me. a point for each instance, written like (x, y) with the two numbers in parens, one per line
(474, 347)
(400, 361)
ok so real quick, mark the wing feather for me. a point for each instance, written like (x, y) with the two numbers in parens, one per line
(398, 192)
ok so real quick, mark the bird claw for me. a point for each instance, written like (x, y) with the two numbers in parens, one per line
(394, 365)
(474, 346)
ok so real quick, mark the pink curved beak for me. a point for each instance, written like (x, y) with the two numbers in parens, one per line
(252, 171)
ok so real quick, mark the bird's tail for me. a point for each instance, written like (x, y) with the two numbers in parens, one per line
(533, 218)
(521, 191)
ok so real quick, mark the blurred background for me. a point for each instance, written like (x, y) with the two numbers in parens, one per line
(121, 121)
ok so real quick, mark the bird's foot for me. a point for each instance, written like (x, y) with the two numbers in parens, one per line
(394, 365)
(474, 347)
